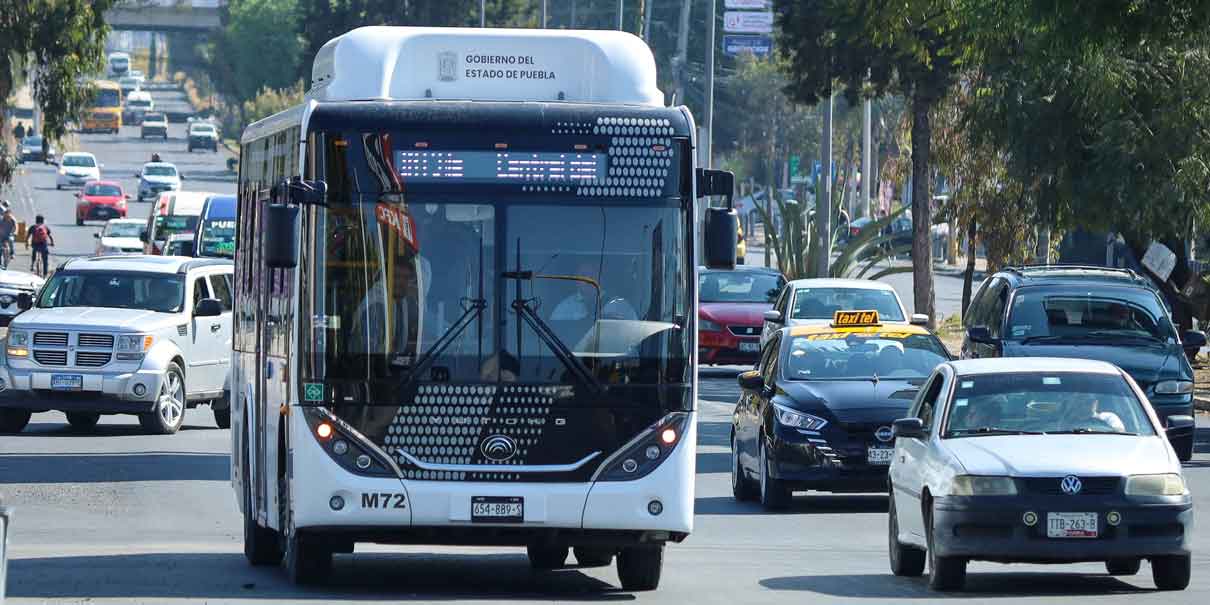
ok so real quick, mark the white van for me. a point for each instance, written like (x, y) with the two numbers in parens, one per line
(119, 63)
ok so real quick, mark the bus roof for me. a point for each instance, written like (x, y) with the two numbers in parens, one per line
(106, 84)
(446, 63)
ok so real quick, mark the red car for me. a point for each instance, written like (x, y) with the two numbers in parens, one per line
(731, 313)
(100, 201)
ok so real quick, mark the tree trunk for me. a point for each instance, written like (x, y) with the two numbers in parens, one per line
(969, 276)
(922, 212)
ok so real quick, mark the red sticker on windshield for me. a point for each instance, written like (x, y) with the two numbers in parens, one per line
(399, 220)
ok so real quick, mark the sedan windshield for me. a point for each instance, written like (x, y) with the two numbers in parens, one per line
(124, 229)
(153, 292)
(1125, 314)
(103, 190)
(79, 160)
(1036, 402)
(159, 171)
(739, 286)
(863, 355)
(822, 303)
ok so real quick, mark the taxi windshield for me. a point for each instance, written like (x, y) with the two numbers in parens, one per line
(822, 302)
(1054, 403)
(862, 355)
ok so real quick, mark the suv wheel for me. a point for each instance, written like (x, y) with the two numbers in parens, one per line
(13, 420)
(169, 412)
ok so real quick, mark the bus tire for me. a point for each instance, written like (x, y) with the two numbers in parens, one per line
(547, 557)
(222, 416)
(13, 420)
(639, 567)
(593, 556)
(306, 559)
(262, 545)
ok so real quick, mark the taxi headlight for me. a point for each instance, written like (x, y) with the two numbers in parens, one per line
(705, 325)
(798, 420)
(1174, 387)
(1167, 484)
(976, 485)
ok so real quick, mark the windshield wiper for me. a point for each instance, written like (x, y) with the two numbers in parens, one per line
(1088, 431)
(991, 430)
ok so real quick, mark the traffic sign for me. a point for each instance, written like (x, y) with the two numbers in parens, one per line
(794, 165)
(760, 46)
(759, 5)
(748, 22)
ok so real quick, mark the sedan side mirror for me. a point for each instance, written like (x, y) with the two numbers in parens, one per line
(773, 315)
(1193, 339)
(96, 236)
(208, 307)
(750, 380)
(1180, 423)
(910, 428)
(919, 319)
(981, 335)
(25, 301)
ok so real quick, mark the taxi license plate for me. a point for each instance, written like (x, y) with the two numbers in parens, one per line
(497, 509)
(879, 455)
(1071, 525)
(749, 347)
(66, 382)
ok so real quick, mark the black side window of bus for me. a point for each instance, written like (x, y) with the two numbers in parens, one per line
(221, 286)
(928, 401)
(200, 290)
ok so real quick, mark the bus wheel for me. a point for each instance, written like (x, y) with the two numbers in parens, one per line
(262, 546)
(639, 567)
(547, 557)
(306, 559)
(590, 556)
(222, 416)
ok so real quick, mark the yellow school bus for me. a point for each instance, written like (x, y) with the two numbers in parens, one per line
(104, 114)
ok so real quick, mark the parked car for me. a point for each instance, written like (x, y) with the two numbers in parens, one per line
(805, 302)
(216, 227)
(36, 148)
(203, 135)
(101, 201)
(156, 178)
(76, 169)
(175, 213)
(730, 310)
(121, 236)
(137, 105)
(155, 124)
(122, 335)
(1113, 315)
(12, 285)
(1037, 460)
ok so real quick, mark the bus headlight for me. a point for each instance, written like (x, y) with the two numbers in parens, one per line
(1168, 484)
(635, 459)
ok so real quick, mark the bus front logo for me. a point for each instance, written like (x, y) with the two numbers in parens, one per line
(498, 448)
(447, 66)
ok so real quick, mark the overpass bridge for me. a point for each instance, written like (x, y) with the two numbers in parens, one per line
(165, 15)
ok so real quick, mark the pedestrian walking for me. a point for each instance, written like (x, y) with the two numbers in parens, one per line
(40, 239)
(19, 132)
(8, 234)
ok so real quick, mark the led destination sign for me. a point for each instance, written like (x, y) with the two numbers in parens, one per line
(524, 167)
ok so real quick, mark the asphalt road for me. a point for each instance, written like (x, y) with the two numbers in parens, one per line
(121, 517)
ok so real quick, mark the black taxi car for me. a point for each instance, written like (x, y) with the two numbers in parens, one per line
(816, 413)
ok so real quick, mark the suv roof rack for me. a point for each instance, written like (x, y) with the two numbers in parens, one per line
(1024, 270)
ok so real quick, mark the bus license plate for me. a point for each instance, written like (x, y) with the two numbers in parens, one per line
(879, 455)
(66, 382)
(1071, 525)
(497, 509)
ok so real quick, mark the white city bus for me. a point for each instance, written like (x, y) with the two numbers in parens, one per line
(465, 303)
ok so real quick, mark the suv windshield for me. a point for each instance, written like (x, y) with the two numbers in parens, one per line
(1036, 402)
(123, 229)
(862, 355)
(822, 303)
(739, 286)
(153, 292)
(159, 171)
(79, 160)
(1109, 314)
(218, 238)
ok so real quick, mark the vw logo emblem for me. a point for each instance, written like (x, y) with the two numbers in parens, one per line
(883, 434)
(498, 448)
(1071, 485)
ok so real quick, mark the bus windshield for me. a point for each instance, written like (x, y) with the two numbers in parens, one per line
(107, 97)
(218, 238)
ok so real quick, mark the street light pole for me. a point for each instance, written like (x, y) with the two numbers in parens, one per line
(621, 5)
(482, 13)
(543, 14)
(823, 203)
(711, 24)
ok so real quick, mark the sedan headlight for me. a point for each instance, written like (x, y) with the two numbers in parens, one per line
(1167, 484)
(797, 419)
(1173, 387)
(978, 485)
(706, 325)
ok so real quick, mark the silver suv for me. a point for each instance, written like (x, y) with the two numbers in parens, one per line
(144, 335)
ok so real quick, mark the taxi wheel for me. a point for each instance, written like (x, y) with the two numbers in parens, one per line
(547, 557)
(1123, 567)
(741, 486)
(945, 573)
(639, 567)
(13, 420)
(773, 493)
(1171, 573)
(83, 421)
(905, 560)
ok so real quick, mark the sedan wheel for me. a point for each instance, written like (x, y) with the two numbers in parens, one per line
(945, 573)
(741, 486)
(773, 493)
(905, 560)
(169, 412)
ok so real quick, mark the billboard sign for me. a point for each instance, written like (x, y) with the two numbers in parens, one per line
(761, 46)
(748, 22)
(759, 5)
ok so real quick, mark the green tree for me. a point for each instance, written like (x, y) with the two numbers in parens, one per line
(256, 49)
(871, 48)
(55, 44)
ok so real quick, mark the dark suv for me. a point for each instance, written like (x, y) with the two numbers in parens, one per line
(1113, 315)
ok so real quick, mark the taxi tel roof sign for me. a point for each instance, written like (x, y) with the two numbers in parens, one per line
(855, 319)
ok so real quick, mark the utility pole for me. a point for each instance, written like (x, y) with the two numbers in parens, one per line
(543, 14)
(573, 14)
(823, 204)
(682, 54)
(711, 25)
(621, 4)
(867, 153)
(482, 13)
(647, 4)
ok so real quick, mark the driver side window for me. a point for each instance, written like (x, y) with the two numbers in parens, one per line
(926, 408)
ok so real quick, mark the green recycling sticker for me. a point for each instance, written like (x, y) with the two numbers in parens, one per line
(313, 391)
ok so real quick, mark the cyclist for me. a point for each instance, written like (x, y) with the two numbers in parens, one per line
(8, 234)
(40, 238)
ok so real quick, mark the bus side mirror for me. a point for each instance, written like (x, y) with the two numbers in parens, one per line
(281, 237)
(721, 224)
